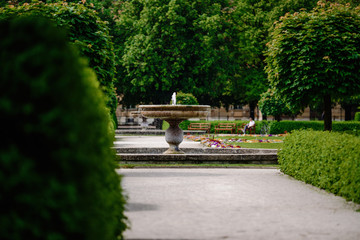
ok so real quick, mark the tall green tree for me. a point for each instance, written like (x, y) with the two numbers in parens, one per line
(175, 45)
(254, 20)
(315, 54)
(86, 30)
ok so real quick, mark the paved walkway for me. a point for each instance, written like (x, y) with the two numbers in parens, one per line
(251, 204)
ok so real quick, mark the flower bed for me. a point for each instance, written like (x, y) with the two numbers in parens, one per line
(230, 142)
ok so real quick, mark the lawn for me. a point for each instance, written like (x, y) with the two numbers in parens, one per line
(201, 165)
(268, 142)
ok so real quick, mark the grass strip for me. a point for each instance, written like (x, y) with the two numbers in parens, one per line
(255, 166)
(277, 146)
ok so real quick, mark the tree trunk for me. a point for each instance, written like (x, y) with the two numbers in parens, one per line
(348, 109)
(327, 113)
(252, 106)
(312, 114)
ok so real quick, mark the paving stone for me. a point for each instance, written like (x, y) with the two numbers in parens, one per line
(251, 204)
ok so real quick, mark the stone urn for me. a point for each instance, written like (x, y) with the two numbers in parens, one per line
(174, 115)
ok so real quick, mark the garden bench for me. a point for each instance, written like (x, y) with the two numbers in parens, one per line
(225, 127)
(200, 126)
(250, 129)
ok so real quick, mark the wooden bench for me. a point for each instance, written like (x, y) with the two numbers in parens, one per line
(200, 126)
(250, 129)
(225, 127)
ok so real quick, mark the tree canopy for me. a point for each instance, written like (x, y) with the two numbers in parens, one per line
(56, 167)
(315, 54)
(254, 20)
(86, 30)
(172, 46)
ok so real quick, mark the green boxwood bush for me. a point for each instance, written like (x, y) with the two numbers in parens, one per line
(327, 160)
(56, 166)
(186, 99)
(357, 116)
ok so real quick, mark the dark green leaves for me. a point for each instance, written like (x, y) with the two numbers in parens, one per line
(174, 46)
(313, 54)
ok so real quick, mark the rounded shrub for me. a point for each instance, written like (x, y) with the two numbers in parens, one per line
(186, 99)
(56, 165)
(357, 116)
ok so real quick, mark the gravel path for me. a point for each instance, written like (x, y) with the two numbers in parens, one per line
(233, 204)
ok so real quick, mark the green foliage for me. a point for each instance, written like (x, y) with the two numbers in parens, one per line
(270, 104)
(248, 84)
(315, 54)
(86, 30)
(186, 99)
(288, 126)
(253, 19)
(171, 46)
(357, 116)
(56, 167)
(276, 127)
(327, 160)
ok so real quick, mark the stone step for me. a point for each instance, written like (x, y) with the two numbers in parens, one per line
(196, 156)
(137, 150)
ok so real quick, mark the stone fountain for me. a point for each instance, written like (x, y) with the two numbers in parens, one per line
(136, 115)
(174, 115)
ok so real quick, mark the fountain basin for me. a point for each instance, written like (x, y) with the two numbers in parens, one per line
(136, 114)
(174, 115)
(181, 112)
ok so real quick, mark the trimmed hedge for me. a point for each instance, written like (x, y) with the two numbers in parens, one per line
(282, 126)
(288, 126)
(330, 161)
(57, 173)
(351, 127)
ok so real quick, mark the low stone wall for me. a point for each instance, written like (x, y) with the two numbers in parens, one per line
(151, 132)
(196, 156)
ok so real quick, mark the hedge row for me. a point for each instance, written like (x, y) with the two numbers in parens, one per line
(287, 126)
(330, 161)
(282, 126)
(57, 173)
